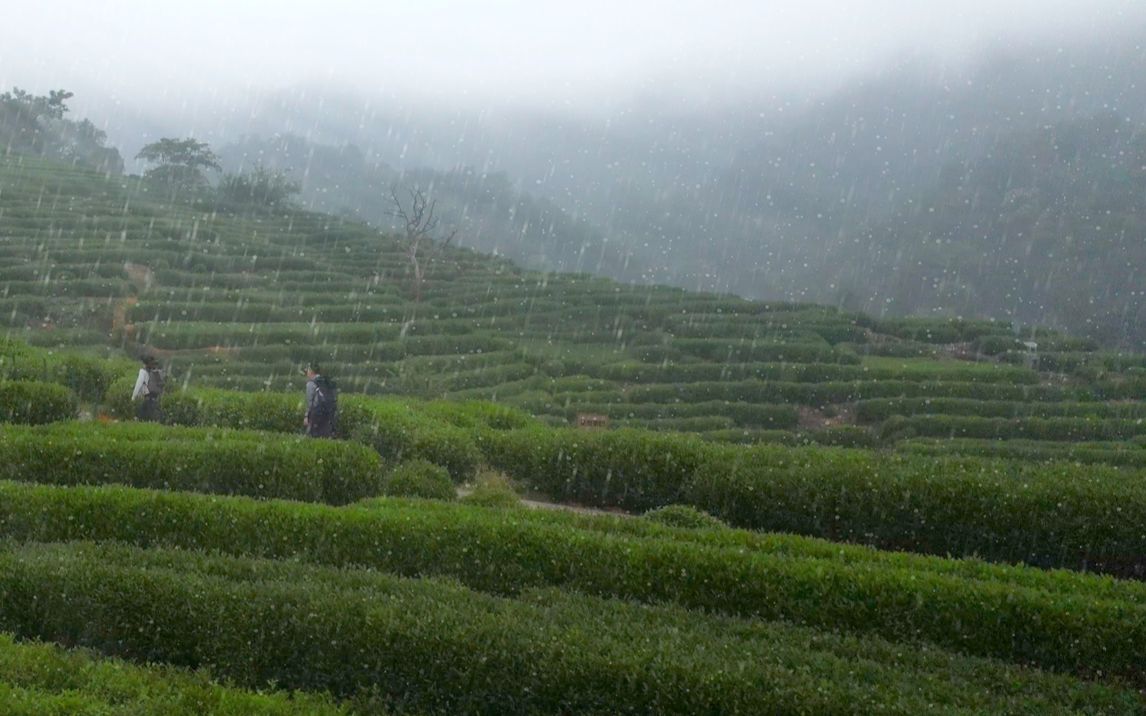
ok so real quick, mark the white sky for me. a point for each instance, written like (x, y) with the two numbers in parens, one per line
(520, 51)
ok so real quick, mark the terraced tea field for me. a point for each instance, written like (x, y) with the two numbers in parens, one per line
(244, 300)
(825, 513)
(174, 545)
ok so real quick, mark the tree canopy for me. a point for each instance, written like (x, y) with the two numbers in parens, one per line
(179, 162)
(35, 125)
(258, 187)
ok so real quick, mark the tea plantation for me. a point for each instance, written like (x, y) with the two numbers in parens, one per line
(244, 298)
(841, 514)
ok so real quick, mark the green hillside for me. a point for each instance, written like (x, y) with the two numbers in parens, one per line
(243, 297)
(860, 562)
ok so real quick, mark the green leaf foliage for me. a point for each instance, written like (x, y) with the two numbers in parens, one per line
(33, 402)
(414, 644)
(683, 516)
(1065, 621)
(419, 478)
(223, 462)
(1060, 515)
(46, 680)
(86, 376)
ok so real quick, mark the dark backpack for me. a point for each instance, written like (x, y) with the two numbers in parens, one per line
(154, 383)
(325, 399)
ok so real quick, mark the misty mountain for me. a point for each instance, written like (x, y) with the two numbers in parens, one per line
(828, 197)
(482, 211)
(857, 190)
(833, 200)
(1050, 225)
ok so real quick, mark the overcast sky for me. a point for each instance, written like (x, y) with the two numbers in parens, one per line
(520, 51)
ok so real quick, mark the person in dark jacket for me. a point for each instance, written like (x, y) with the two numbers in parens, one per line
(321, 404)
(148, 390)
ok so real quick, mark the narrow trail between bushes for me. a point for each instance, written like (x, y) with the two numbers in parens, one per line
(541, 505)
(537, 504)
(119, 313)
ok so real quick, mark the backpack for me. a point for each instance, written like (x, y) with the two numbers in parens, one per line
(325, 399)
(154, 383)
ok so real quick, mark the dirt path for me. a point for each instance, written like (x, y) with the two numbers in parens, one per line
(540, 505)
(812, 419)
(142, 276)
(545, 505)
(119, 313)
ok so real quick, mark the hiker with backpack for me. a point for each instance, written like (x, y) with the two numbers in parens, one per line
(321, 404)
(148, 390)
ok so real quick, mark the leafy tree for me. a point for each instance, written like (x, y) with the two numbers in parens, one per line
(25, 118)
(179, 162)
(50, 105)
(36, 125)
(260, 187)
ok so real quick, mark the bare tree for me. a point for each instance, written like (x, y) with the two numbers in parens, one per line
(419, 222)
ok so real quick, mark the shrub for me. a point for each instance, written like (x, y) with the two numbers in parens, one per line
(260, 187)
(940, 330)
(257, 465)
(1066, 429)
(1053, 516)
(759, 391)
(620, 468)
(1062, 516)
(86, 376)
(34, 403)
(419, 478)
(1064, 619)
(893, 349)
(398, 432)
(412, 643)
(843, 436)
(683, 516)
(277, 412)
(762, 350)
(493, 489)
(477, 414)
(682, 425)
(750, 437)
(1121, 454)
(876, 410)
(48, 680)
(393, 428)
(116, 401)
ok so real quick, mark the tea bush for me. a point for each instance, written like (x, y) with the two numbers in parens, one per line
(32, 402)
(419, 478)
(259, 466)
(683, 516)
(413, 643)
(46, 680)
